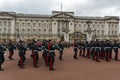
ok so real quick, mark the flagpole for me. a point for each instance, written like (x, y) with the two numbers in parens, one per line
(61, 6)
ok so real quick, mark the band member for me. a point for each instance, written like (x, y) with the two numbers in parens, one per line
(61, 47)
(11, 48)
(51, 49)
(22, 50)
(2, 59)
(45, 52)
(115, 48)
(75, 50)
(30, 45)
(35, 54)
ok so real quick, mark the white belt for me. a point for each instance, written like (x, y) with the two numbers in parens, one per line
(82, 47)
(61, 49)
(51, 51)
(97, 47)
(107, 47)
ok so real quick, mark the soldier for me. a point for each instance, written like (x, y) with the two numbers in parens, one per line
(83, 49)
(102, 55)
(22, 50)
(110, 50)
(115, 48)
(93, 50)
(51, 49)
(88, 50)
(79, 46)
(30, 45)
(61, 48)
(75, 49)
(2, 59)
(35, 54)
(45, 52)
(107, 50)
(11, 48)
(97, 50)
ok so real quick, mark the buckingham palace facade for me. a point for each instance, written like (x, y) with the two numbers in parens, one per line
(15, 26)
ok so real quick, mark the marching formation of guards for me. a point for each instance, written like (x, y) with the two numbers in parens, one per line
(95, 50)
(46, 47)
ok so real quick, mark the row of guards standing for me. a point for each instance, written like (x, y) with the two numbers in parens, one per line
(97, 50)
(46, 47)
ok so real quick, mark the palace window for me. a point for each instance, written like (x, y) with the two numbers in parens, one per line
(50, 30)
(33, 24)
(39, 24)
(109, 32)
(17, 24)
(9, 30)
(102, 26)
(115, 32)
(0, 31)
(93, 26)
(50, 25)
(44, 25)
(44, 30)
(102, 32)
(28, 24)
(0, 23)
(112, 31)
(39, 30)
(115, 26)
(9, 24)
(22, 24)
(5, 23)
(79, 25)
(98, 32)
(98, 26)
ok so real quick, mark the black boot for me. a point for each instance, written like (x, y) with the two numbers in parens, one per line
(60, 58)
(1, 69)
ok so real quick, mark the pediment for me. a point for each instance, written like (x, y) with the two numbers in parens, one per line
(111, 18)
(63, 15)
(8, 14)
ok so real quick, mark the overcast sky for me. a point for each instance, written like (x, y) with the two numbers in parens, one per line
(80, 7)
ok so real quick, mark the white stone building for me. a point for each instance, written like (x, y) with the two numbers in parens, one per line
(59, 25)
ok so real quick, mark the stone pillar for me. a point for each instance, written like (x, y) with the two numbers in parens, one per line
(89, 37)
(66, 37)
(13, 29)
(54, 29)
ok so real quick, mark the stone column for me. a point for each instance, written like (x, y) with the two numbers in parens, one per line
(66, 37)
(89, 37)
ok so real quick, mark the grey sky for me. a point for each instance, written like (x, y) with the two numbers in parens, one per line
(80, 7)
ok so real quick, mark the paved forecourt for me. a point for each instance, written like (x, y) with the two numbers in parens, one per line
(68, 69)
